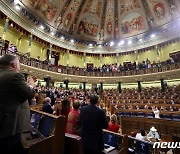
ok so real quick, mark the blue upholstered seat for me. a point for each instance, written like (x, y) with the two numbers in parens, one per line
(126, 114)
(141, 114)
(150, 115)
(176, 117)
(133, 114)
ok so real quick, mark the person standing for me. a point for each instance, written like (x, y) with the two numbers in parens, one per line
(14, 107)
(47, 106)
(73, 125)
(112, 125)
(156, 112)
(93, 120)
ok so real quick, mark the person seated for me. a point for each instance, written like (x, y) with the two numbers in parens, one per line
(153, 134)
(130, 107)
(141, 136)
(112, 126)
(137, 107)
(146, 107)
(123, 107)
(172, 101)
(47, 106)
(73, 124)
(163, 108)
(115, 107)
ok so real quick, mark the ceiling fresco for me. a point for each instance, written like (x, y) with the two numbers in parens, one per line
(103, 20)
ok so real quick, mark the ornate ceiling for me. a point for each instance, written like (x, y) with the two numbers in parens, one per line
(103, 19)
(99, 22)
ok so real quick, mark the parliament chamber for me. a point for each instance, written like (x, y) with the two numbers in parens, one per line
(125, 52)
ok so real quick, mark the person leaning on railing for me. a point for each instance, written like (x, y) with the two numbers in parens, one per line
(130, 69)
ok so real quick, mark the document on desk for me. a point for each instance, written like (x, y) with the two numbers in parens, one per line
(108, 148)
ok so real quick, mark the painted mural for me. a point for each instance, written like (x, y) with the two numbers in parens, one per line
(104, 20)
(109, 17)
(88, 26)
(159, 10)
(109, 28)
(149, 17)
(47, 7)
(71, 11)
(88, 5)
(116, 33)
(173, 10)
(94, 7)
(164, 9)
(58, 22)
(132, 22)
(127, 5)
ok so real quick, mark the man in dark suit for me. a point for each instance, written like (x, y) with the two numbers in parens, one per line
(47, 106)
(14, 107)
(93, 120)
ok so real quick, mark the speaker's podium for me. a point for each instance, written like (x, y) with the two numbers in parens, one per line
(47, 135)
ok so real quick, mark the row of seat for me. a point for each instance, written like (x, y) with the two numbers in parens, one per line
(148, 115)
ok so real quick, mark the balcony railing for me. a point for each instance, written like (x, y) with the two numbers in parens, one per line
(83, 72)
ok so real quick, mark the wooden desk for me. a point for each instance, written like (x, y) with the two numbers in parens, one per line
(54, 144)
(28, 143)
(112, 152)
(166, 128)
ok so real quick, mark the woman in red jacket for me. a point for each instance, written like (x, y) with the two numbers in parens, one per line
(112, 126)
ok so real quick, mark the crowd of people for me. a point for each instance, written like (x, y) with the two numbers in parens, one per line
(152, 98)
(126, 66)
(86, 113)
(171, 92)
(106, 68)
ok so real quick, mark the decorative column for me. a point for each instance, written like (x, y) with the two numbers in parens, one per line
(42, 52)
(67, 57)
(136, 56)
(163, 87)
(84, 60)
(66, 82)
(5, 28)
(47, 80)
(117, 59)
(100, 58)
(119, 87)
(84, 86)
(30, 44)
(101, 86)
(157, 52)
(139, 86)
(50, 52)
